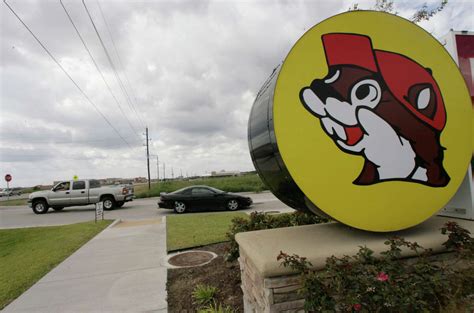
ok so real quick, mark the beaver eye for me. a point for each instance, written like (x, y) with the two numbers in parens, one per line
(423, 99)
(366, 92)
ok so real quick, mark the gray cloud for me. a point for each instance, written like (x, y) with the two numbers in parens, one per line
(194, 68)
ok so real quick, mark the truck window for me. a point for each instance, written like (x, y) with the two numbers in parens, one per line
(94, 184)
(78, 185)
(62, 186)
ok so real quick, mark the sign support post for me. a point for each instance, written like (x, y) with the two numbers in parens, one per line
(8, 178)
(99, 211)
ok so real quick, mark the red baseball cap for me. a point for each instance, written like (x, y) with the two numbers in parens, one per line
(398, 71)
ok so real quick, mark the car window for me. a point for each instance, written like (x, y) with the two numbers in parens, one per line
(94, 184)
(216, 190)
(78, 185)
(182, 191)
(202, 191)
(62, 186)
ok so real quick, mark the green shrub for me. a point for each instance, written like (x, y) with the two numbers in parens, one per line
(261, 220)
(387, 284)
(216, 308)
(204, 294)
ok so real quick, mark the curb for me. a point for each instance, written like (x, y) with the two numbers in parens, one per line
(115, 222)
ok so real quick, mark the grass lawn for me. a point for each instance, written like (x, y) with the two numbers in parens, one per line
(249, 182)
(197, 229)
(14, 202)
(27, 254)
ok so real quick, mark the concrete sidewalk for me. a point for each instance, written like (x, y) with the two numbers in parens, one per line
(119, 270)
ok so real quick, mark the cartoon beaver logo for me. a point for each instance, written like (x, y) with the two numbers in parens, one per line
(383, 106)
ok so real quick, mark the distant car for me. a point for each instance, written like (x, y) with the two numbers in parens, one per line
(10, 192)
(202, 198)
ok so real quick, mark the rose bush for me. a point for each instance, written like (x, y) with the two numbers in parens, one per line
(365, 283)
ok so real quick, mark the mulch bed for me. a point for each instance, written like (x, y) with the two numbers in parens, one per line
(218, 273)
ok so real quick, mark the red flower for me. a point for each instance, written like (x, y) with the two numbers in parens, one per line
(382, 276)
(357, 307)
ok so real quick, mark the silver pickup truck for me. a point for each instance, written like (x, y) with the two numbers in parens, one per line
(79, 192)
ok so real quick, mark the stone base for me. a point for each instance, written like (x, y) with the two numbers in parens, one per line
(269, 287)
(274, 294)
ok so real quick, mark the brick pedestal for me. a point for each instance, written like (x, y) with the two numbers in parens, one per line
(269, 287)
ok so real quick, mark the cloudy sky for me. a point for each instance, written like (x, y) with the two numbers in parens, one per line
(190, 69)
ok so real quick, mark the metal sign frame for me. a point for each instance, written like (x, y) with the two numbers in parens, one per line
(99, 211)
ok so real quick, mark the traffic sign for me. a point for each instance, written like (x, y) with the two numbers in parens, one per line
(8, 178)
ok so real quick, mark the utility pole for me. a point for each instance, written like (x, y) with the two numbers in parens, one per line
(148, 158)
(157, 169)
(172, 173)
(164, 171)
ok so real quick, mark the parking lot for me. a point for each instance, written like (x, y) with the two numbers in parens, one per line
(22, 216)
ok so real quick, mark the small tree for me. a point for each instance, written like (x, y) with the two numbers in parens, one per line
(423, 13)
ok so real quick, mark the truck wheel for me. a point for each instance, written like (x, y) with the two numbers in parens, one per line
(120, 204)
(108, 203)
(40, 207)
(58, 209)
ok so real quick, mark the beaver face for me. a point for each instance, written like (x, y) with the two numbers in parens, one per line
(339, 96)
(341, 92)
(362, 116)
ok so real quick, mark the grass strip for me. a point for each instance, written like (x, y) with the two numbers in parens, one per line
(249, 182)
(27, 254)
(14, 202)
(198, 229)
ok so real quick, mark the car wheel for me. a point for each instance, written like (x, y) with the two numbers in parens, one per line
(179, 207)
(232, 205)
(108, 203)
(120, 204)
(40, 207)
(58, 209)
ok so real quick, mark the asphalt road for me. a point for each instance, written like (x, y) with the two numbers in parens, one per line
(22, 216)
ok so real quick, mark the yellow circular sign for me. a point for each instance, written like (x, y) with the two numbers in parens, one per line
(373, 120)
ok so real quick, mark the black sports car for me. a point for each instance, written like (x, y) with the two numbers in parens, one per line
(202, 198)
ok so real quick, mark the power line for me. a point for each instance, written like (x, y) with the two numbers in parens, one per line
(67, 74)
(119, 58)
(97, 67)
(34, 140)
(50, 145)
(129, 101)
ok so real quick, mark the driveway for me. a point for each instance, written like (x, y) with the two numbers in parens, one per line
(22, 216)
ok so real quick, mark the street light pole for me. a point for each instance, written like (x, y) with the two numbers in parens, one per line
(157, 167)
(148, 159)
